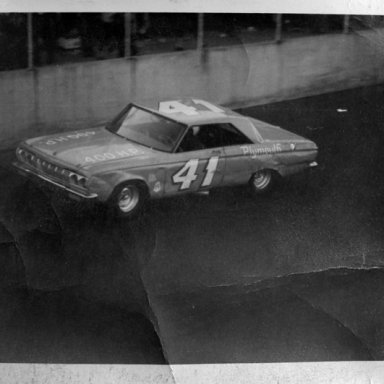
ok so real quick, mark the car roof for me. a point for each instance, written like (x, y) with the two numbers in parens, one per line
(201, 112)
(210, 113)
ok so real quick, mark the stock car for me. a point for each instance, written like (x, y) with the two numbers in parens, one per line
(183, 146)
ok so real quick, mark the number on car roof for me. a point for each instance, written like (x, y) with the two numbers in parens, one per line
(176, 106)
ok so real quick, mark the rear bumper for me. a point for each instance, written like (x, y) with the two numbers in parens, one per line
(72, 193)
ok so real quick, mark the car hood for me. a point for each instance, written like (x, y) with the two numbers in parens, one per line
(88, 147)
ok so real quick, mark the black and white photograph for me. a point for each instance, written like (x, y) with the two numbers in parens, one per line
(134, 248)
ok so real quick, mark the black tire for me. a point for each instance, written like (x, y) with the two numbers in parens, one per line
(127, 199)
(262, 181)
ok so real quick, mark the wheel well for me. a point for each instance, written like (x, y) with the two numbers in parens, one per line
(275, 174)
(140, 183)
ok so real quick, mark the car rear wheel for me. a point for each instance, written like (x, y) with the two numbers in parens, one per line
(128, 199)
(262, 181)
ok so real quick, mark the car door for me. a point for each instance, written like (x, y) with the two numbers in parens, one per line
(238, 169)
(199, 162)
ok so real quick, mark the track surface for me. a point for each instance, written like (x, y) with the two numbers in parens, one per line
(224, 278)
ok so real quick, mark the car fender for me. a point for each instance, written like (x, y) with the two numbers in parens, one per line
(287, 170)
(284, 170)
(104, 184)
(272, 163)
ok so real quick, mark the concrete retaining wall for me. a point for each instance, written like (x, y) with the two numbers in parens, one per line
(78, 95)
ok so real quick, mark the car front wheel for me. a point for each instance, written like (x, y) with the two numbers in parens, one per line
(262, 181)
(128, 199)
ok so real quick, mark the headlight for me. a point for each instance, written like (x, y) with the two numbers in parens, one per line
(21, 154)
(25, 156)
(19, 151)
(82, 181)
(77, 179)
(72, 178)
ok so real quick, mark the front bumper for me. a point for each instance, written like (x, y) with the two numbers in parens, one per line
(72, 192)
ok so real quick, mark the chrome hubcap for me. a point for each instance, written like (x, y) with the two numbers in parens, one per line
(128, 198)
(261, 179)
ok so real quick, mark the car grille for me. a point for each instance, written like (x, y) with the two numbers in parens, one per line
(50, 170)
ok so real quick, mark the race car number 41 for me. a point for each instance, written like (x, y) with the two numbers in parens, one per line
(187, 174)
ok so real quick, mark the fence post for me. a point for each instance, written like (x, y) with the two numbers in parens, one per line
(127, 34)
(346, 24)
(279, 20)
(30, 40)
(200, 31)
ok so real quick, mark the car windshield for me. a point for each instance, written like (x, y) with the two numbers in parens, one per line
(147, 128)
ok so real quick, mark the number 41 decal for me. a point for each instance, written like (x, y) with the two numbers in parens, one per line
(187, 174)
(176, 106)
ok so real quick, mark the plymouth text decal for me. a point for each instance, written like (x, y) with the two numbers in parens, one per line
(253, 151)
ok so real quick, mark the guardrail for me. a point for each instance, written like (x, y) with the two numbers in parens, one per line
(78, 95)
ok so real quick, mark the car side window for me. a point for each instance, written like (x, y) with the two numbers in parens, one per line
(191, 141)
(232, 136)
(211, 136)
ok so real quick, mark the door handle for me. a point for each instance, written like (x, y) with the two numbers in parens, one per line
(216, 152)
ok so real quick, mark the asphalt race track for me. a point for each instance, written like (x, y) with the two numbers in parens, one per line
(293, 276)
